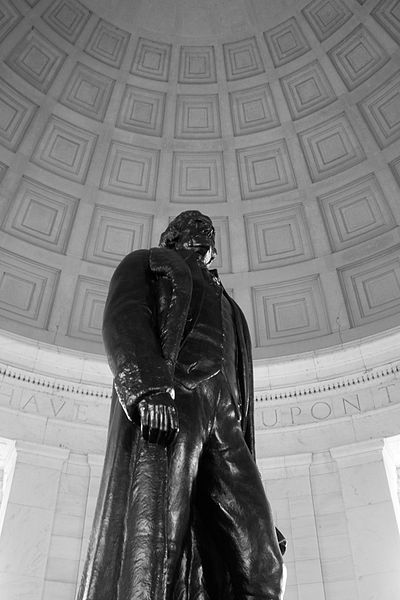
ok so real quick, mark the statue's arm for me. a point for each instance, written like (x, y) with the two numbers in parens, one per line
(142, 377)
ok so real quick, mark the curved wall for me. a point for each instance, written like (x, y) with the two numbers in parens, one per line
(328, 449)
(279, 119)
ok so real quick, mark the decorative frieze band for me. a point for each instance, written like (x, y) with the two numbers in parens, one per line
(381, 376)
(11, 375)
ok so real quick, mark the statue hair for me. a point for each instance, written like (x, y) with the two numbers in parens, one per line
(171, 237)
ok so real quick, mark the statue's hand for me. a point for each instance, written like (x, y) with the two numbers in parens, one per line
(158, 419)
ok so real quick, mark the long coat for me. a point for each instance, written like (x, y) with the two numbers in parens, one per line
(145, 323)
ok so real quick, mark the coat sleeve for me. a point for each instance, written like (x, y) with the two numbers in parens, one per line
(130, 334)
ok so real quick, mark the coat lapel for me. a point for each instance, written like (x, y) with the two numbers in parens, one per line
(174, 292)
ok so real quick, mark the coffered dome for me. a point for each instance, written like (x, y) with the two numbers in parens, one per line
(279, 119)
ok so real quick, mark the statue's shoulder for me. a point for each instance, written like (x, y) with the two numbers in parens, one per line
(166, 258)
(162, 254)
(160, 261)
(135, 258)
(166, 262)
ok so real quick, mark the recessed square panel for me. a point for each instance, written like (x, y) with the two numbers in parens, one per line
(372, 287)
(198, 177)
(242, 59)
(152, 60)
(88, 92)
(131, 171)
(286, 42)
(87, 311)
(307, 90)
(16, 113)
(108, 44)
(67, 18)
(41, 215)
(331, 147)
(114, 233)
(9, 18)
(395, 168)
(142, 111)
(278, 237)
(3, 171)
(265, 170)
(326, 16)
(290, 311)
(381, 110)
(253, 110)
(36, 60)
(358, 57)
(26, 289)
(387, 14)
(197, 65)
(65, 149)
(197, 116)
(356, 212)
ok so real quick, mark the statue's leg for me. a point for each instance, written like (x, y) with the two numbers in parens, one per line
(234, 501)
(195, 411)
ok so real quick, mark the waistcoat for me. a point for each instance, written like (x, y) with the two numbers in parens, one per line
(201, 353)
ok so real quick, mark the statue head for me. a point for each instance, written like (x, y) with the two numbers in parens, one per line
(191, 230)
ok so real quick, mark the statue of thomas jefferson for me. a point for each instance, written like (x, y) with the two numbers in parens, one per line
(181, 513)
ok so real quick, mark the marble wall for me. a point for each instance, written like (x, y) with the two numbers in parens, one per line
(329, 462)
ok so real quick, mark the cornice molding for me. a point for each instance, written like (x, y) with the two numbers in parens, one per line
(349, 367)
(329, 387)
(58, 385)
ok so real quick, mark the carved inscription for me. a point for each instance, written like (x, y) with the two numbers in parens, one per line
(55, 405)
(290, 413)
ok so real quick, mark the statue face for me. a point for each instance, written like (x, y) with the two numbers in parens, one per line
(199, 235)
(191, 230)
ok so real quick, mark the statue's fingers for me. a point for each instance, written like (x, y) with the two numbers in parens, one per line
(173, 424)
(143, 409)
(164, 425)
(163, 422)
(154, 420)
(153, 417)
(144, 420)
(142, 413)
(173, 416)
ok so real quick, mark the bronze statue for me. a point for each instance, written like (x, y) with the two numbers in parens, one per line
(182, 513)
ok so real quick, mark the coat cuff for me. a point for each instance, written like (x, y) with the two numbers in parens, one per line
(130, 388)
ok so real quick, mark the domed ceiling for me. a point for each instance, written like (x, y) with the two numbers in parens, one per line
(279, 119)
